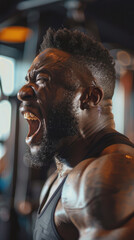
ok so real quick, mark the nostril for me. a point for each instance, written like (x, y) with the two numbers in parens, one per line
(26, 93)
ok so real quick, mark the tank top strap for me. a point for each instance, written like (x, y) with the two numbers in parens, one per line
(45, 228)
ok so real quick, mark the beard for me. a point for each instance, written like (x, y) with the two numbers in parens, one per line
(62, 123)
(43, 157)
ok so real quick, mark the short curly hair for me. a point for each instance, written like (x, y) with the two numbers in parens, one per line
(90, 53)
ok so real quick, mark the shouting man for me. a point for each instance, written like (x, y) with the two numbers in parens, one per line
(67, 102)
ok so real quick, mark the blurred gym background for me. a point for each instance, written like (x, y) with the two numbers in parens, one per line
(22, 26)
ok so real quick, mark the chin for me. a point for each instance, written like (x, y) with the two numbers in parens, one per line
(41, 154)
(34, 149)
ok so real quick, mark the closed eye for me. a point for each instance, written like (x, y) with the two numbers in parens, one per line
(42, 78)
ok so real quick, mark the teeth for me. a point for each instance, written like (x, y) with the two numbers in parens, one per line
(30, 116)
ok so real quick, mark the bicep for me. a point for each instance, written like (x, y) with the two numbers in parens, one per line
(109, 191)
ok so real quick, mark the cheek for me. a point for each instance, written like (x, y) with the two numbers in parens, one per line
(45, 94)
(59, 96)
(48, 97)
(44, 100)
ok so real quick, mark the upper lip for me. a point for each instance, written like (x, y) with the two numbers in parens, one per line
(27, 108)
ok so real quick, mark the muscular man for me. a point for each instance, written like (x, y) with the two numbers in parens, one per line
(67, 102)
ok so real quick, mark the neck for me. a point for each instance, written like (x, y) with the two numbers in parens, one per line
(94, 125)
(99, 118)
(76, 150)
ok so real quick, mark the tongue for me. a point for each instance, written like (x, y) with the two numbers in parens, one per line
(33, 127)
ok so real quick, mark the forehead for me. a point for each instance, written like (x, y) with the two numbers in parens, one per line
(49, 59)
(52, 60)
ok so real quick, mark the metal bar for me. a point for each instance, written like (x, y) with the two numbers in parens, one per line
(13, 216)
(34, 4)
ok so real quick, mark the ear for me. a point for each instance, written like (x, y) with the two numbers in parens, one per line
(90, 97)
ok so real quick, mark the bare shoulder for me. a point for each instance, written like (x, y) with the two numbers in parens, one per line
(47, 185)
(103, 171)
(102, 187)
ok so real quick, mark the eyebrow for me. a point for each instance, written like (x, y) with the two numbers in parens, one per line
(37, 72)
(41, 70)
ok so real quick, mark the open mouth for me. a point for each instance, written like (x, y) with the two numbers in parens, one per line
(34, 126)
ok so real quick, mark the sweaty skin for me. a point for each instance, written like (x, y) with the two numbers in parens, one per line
(97, 201)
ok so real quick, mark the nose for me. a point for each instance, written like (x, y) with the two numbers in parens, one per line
(26, 93)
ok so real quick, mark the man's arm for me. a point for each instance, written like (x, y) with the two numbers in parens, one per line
(99, 198)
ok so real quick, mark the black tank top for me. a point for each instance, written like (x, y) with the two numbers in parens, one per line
(105, 141)
(45, 228)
